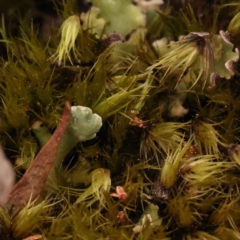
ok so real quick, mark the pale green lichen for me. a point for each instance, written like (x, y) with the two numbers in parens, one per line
(83, 126)
(222, 51)
(120, 16)
(92, 22)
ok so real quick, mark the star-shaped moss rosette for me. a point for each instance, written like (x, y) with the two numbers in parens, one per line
(224, 56)
(75, 37)
(121, 16)
(100, 185)
(69, 32)
(196, 53)
(191, 53)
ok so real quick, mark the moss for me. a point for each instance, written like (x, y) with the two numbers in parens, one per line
(166, 86)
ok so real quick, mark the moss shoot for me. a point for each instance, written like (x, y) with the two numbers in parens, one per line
(161, 79)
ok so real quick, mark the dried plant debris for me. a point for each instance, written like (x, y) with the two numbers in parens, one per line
(149, 148)
(31, 184)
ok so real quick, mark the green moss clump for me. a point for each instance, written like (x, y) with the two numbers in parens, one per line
(166, 86)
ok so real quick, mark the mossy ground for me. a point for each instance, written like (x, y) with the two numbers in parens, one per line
(167, 90)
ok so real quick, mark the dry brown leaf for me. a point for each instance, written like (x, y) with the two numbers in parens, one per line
(31, 184)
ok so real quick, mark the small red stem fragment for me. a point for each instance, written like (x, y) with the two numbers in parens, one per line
(32, 183)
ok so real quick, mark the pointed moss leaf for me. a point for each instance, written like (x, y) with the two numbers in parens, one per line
(234, 25)
(84, 124)
(113, 104)
(120, 16)
(22, 224)
(228, 233)
(223, 53)
(100, 183)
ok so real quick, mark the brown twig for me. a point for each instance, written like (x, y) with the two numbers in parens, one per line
(32, 183)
